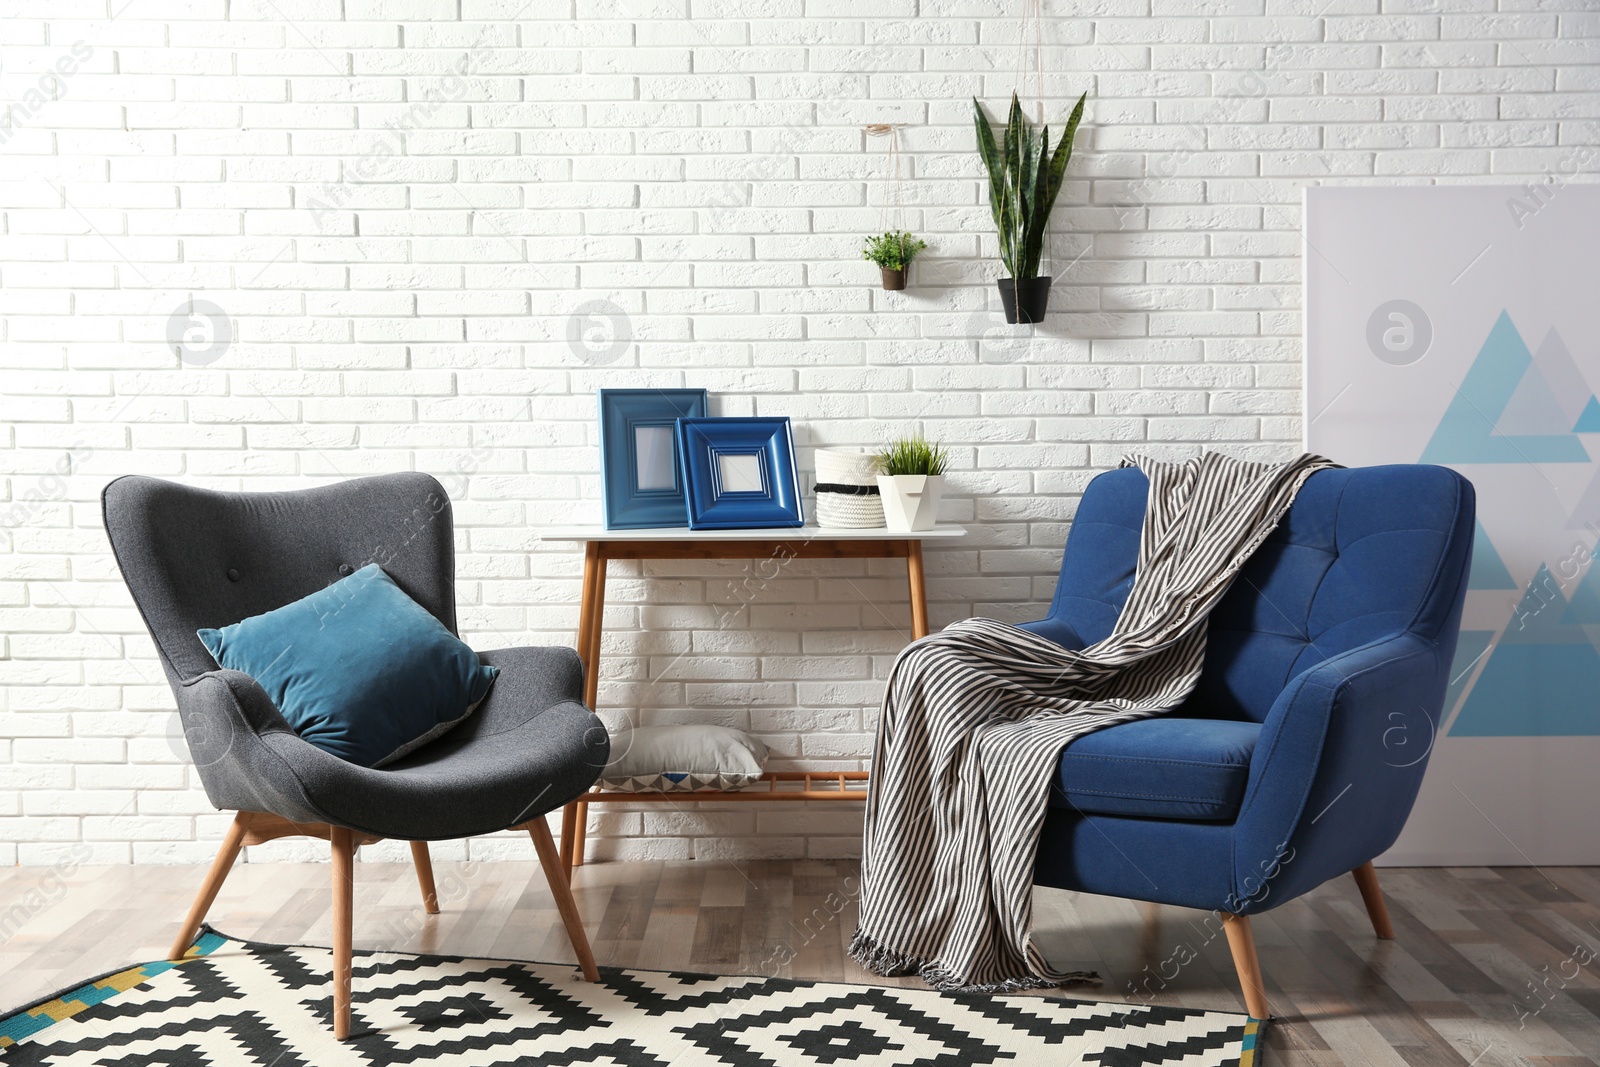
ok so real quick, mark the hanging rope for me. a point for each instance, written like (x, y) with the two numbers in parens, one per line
(1035, 10)
(891, 130)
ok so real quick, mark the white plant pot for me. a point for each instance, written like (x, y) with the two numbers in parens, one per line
(910, 501)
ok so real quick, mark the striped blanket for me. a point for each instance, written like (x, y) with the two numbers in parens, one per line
(975, 718)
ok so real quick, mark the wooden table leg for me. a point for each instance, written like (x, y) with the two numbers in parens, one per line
(597, 610)
(580, 818)
(591, 563)
(586, 621)
(919, 589)
(568, 826)
(574, 821)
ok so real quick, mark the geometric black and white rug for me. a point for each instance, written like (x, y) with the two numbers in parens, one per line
(233, 1003)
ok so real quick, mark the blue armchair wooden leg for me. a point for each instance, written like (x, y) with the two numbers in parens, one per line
(1150, 932)
(1367, 881)
(1243, 945)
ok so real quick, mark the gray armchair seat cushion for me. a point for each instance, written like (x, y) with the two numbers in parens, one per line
(195, 558)
(523, 753)
(531, 747)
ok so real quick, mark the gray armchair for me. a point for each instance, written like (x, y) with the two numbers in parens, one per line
(194, 558)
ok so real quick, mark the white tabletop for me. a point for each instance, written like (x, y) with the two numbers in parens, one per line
(768, 533)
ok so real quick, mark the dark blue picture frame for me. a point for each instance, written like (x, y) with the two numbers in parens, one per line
(630, 505)
(769, 495)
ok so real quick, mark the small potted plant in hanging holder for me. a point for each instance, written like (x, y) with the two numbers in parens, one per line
(893, 253)
(912, 483)
(1024, 178)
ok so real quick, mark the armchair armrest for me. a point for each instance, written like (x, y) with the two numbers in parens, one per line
(1337, 767)
(226, 714)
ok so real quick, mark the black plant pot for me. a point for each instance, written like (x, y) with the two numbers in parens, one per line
(1035, 295)
(894, 280)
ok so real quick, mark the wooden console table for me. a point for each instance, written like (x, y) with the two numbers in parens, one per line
(805, 542)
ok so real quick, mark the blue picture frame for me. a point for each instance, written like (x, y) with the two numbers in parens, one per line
(642, 483)
(739, 473)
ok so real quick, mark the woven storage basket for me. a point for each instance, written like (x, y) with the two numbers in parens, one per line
(859, 510)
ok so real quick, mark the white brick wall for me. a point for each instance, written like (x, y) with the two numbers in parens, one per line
(399, 204)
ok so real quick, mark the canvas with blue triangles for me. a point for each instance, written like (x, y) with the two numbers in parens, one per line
(1584, 607)
(1542, 678)
(1540, 675)
(1589, 419)
(1488, 570)
(1510, 408)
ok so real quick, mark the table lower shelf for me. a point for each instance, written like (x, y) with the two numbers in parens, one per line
(812, 785)
(600, 547)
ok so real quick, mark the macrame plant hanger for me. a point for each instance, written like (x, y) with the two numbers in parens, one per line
(1035, 10)
(895, 197)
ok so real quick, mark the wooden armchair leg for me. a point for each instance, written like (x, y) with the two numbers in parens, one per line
(1243, 945)
(556, 874)
(424, 862)
(1150, 935)
(1367, 881)
(344, 851)
(227, 852)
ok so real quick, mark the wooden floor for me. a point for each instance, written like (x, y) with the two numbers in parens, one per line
(1492, 966)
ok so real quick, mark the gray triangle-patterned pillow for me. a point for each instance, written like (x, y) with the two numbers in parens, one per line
(683, 759)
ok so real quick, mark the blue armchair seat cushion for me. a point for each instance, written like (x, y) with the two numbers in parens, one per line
(1163, 768)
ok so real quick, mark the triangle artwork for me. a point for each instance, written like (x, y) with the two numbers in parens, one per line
(1539, 675)
(1511, 407)
(1488, 570)
(1541, 678)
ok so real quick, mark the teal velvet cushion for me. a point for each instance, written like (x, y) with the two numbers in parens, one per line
(358, 669)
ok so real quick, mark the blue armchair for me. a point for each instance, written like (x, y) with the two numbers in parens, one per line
(1300, 753)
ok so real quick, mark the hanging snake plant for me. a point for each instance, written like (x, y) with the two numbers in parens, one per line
(1024, 179)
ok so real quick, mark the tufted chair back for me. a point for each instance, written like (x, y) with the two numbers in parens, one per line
(195, 558)
(1363, 553)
